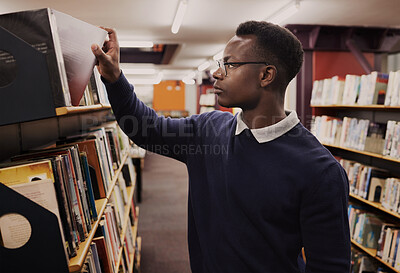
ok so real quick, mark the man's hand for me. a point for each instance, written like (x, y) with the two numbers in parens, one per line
(108, 57)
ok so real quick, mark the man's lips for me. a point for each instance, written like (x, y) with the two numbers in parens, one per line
(217, 90)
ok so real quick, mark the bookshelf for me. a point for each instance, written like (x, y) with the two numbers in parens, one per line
(63, 123)
(367, 107)
(375, 113)
(75, 264)
(372, 253)
(61, 111)
(36, 114)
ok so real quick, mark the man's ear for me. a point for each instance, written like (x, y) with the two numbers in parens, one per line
(267, 75)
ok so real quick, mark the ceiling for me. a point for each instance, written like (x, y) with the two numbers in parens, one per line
(208, 24)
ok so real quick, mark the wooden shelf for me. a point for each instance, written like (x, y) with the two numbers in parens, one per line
(130, 190)
(387, 158)
(135, 237)
(367, 107)
(375, 205)
(61, 111)
(372, 253)
(116, 174)
(139, 242)
(75, 264)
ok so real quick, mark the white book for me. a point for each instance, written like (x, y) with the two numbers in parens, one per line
(364, 89)
(338, 88)
(395, 140)
(390, 86)
(372, 78)
(76, 38)
(387, 245)
(313, 93)
(355, 89)
(347, 89)
(388, 137)
(326, 91)
(394, 101)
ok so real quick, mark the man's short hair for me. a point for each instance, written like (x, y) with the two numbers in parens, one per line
(275, 45)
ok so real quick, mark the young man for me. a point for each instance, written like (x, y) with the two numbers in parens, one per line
(261, 187)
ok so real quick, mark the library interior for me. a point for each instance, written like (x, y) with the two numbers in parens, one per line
(168, 136)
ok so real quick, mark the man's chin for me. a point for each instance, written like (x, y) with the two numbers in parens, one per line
(224, 103)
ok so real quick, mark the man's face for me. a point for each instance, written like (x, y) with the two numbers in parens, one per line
(241, 86)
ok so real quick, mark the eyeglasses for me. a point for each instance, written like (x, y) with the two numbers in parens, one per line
(231, 65)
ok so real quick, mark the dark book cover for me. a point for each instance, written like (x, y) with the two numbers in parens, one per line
(34, 27)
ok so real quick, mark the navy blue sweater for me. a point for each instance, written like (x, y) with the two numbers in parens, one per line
(252, 206)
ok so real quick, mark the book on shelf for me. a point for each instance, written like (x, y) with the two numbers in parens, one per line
(375, 140)
(96, 260)
(22, 172)
(95, 91)
(65, 41)
(104, 256)
(207, 99)
(351, 89)
(362, 263)
(370, 89)
(92, 149)
(337, 89)
(375, 190)
(78, 187)
(358, 134)
(15, 231)
(366, 181)
(373, 88)
(393, 89)
(89, 188)
(365, 227)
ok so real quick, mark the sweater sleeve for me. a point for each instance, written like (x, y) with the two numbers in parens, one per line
(142, 124)
(324, 223)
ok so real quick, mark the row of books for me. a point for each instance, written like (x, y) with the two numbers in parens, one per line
(363, 263)
(95, 91)
(365, 227)
(365, 181)
(359, 134)
(370, 231)
(110, 229)
(65, 43)
(392, 139)
(373, 184)
(66, 178)
(107, 243)
(370, 89)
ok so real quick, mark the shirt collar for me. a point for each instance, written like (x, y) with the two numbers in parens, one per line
(271, 132)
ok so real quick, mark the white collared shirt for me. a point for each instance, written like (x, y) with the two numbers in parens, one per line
(271, 132)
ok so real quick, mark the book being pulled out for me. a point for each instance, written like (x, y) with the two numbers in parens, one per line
(64, 41)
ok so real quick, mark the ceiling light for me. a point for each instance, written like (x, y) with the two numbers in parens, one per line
(180, 13)
(204, 66)
(191, 75)
(188, 81)
(285, 12)
(219, 55)
(136, 44)
(151, 81)
(139, 71)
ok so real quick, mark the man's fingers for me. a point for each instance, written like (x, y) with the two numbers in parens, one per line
(98, 52)
(111, 33)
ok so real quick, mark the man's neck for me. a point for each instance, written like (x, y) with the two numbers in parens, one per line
(258, 119)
